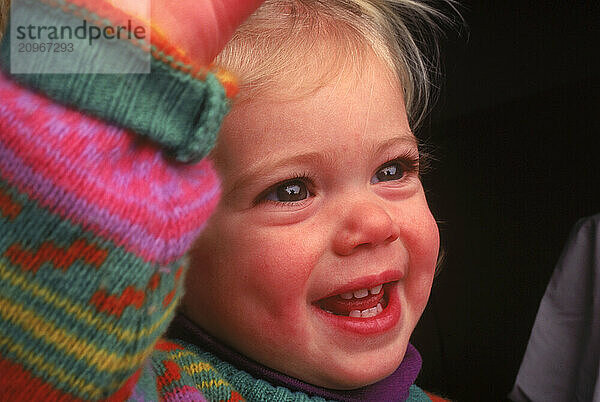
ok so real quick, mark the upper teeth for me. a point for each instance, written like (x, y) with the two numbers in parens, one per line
(359, 294)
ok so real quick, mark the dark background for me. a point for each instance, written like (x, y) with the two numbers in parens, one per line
(514, 134)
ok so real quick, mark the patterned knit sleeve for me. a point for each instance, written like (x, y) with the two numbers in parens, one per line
(98, 205)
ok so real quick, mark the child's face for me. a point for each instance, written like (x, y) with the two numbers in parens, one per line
(321, 197)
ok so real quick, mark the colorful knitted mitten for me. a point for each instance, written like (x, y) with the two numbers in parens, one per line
(95, 219)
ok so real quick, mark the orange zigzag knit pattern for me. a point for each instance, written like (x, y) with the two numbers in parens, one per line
(114, 305)
(8, 207)
(32, 260)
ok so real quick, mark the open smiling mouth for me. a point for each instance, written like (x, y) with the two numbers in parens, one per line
(362, 303)
(364, 312)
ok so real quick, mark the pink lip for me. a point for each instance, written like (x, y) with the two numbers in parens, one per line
(367, 282)
(381, 323)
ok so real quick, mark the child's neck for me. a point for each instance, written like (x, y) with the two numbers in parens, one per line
(394, 387)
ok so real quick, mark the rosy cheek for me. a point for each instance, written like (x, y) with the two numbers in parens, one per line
(282, 265)
(417, 290)
(424, 245)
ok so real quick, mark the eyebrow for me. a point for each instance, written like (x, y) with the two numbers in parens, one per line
(325, 158)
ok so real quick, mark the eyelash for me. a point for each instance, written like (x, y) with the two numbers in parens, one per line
(305, 177)
(409, 161)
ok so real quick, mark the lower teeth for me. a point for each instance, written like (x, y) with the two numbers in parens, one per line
(370, 312)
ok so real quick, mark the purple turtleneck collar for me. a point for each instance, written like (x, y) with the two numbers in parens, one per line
(392, 388)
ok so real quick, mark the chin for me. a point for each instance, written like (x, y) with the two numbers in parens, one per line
(353, 376)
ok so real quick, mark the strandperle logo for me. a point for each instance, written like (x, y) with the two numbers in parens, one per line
(55, 37)
(83, 31)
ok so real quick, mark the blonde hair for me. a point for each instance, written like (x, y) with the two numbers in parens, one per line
(401, 33)
(276, 38)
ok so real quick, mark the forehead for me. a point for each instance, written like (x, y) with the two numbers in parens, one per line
(358, 109)
(301, 58)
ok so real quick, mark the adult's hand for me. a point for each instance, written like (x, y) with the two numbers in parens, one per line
(201, 28)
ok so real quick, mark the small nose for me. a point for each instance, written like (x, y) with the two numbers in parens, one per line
(365, 224)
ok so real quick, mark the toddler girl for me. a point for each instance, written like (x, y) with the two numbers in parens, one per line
(311, 273)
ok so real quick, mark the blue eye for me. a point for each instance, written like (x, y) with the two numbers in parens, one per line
(388, 172)
(289, 191)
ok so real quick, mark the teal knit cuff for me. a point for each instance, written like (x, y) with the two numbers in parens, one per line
(171, 107)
